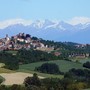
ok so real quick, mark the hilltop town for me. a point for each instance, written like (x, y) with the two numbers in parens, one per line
(22, 40)
(26, 41)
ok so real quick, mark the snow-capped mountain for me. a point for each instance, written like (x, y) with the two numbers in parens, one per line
(49, 30)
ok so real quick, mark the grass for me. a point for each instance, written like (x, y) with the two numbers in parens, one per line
(41, 74)
(12, 52)
(3, 70)
(2, 64)
(84, 61)
(64, 66)
(74, 58)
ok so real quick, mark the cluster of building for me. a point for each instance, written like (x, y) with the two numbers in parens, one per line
(82, 45)
(76, 55)
(20, 41)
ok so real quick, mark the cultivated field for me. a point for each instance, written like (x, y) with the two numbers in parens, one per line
(42, 74)
(15, 78)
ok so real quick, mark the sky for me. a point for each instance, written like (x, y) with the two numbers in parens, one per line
(44, 9)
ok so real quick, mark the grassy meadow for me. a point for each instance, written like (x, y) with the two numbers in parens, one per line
(64, 66)
(84, 60)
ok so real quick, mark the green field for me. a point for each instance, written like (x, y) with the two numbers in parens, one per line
(84, 61)
(64, 66)
(12, 52)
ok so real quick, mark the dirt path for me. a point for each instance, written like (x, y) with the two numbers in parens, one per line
(15, 78)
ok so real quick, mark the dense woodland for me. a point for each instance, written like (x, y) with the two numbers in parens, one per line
(29, 56)
(11, 62)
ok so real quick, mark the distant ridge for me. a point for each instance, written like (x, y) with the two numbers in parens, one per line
(49, 30)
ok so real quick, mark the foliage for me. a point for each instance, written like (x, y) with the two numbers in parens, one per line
(63, 65)
(76, 86)
(68, 48)
(11, 62)
(4, 70)
(32, 81)
(87, 65)
(17, 87)
(34, 38)
(57, 84)
(52, 83)
(78, 74)
(13, 87)
(29, 56)
(3, 87)
(50, 68)
(1, 79)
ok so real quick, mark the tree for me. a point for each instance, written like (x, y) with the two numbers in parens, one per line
(1, 79)
(87, 65)
(50, 68)
(3, 87)
(11, 62)
(29, 56)
(76, 86)
(29, 81)
(52, 83)
(34, 38)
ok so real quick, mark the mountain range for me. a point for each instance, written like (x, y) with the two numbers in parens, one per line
(51, 30)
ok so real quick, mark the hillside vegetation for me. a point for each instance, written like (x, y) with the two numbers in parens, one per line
(64, 65)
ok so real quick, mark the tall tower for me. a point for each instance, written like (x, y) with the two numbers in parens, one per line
(7, 38)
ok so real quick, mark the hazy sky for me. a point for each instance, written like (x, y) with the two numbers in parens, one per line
(44, 9)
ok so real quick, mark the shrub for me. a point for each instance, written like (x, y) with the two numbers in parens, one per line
(1, 79)
(87, 65)
(29, 81)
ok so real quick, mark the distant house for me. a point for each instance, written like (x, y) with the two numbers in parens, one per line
(57, 53)
(1, 43)
(87, 55)
(42, 45)
(20, 39)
